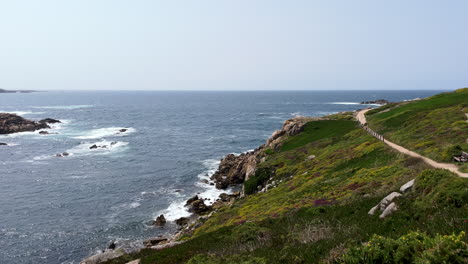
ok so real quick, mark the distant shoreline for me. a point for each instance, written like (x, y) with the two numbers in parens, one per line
(17, 91)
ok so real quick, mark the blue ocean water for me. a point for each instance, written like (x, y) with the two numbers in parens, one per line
(62, 209)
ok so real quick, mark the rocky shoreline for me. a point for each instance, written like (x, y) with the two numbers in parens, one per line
(12, 123)
(233, 171)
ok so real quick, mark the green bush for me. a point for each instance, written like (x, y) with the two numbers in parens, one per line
(414, 247)
(259, 178)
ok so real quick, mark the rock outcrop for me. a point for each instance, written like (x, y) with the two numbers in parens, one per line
(196, 205)
(11, 123)
(104, 256)
(407, 186)
(235, 170)
(154, 241)
(160, 221)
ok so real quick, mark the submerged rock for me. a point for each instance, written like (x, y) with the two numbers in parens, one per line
(43, 132)
(93, 147)
(3, 144)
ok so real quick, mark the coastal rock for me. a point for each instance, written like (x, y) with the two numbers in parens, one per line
(160, 221)
(183, 221)
(43, 132)
(198, 207)
(104, 256)
(390, 209)
(3, 144)
(224, 197)
(93, 147)
(407, 186)
(112, 245)
(235, 169)
(167, 245)
(122, 130)
(154, 241)
(11, 123)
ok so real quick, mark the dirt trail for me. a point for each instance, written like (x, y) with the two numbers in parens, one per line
(451, 167)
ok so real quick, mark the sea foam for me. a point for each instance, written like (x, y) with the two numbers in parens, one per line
(106, 132)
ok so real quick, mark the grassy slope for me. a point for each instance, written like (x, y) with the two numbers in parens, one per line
(319, 208)
(435, 127)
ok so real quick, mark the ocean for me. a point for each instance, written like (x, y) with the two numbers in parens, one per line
(63, 209)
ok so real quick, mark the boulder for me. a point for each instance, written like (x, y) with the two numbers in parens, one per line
(373, 210)
(154, 241)
(311, 157)
(112, 245)
(160, 221)
(224, 197)
(43, 132)
(93, 147)
(388, 199)
(407, 186)
(191, 200)
(104, 256)
(390, 209)
(183, 221)
(198, 207)
(136, 261)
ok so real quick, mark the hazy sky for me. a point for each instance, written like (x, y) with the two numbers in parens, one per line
(233, 44)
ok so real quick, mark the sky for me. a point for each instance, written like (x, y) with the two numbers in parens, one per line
(233, 44)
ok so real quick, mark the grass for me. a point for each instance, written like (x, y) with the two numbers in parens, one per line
(317, 130)
(432, 127)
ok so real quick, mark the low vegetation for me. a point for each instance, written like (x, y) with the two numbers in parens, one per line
(320, 186)
(436, 127)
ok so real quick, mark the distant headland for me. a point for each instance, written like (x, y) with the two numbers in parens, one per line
(16, 91)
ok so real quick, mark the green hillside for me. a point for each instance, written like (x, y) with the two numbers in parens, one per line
(435, 127)
(322, 184)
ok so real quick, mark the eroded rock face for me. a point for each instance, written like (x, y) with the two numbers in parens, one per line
(235, 170)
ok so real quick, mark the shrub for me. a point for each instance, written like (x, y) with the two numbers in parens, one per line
(259, 178)
(414, 247)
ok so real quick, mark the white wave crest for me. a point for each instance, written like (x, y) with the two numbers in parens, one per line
(102, 148)
(64, 107)
(107, 132)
